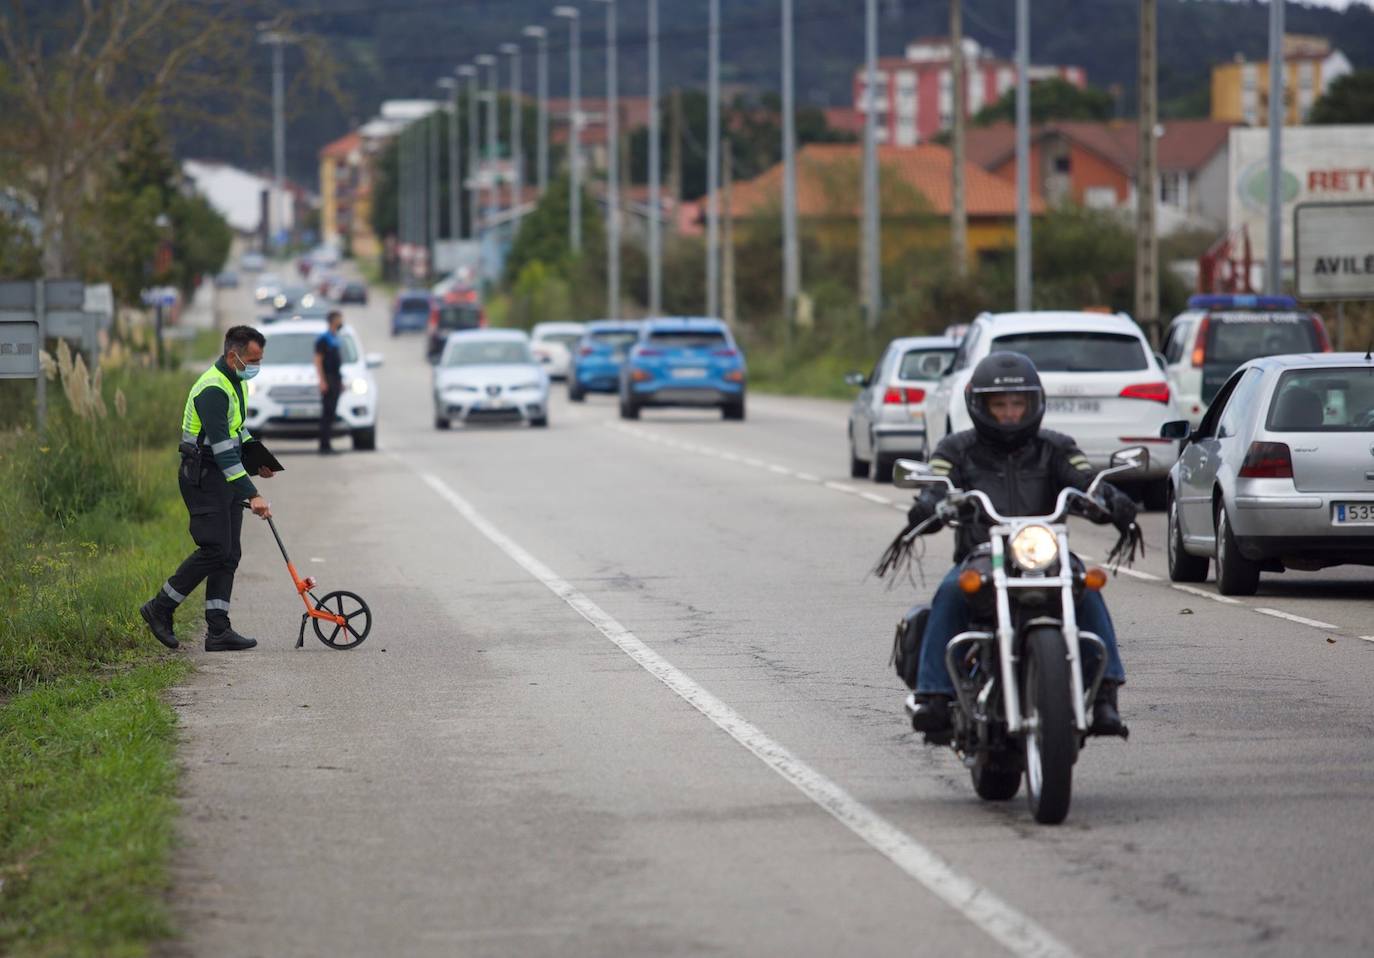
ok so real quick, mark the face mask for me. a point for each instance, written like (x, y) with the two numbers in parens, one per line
(248, 371)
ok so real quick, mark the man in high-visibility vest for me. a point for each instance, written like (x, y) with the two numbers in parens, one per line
(216, 489)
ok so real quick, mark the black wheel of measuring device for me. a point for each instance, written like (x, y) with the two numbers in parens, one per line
(357, 620)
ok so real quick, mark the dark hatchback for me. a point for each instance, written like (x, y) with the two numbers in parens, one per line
(448, 318)
(411, 312)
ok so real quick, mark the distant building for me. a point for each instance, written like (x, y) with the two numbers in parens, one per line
(914, 95)
(241, 197)
(342, 172)
(594, 114)
(1240, 89)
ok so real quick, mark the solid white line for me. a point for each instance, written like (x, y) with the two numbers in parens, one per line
(1016, 932)
(1203, 594)
(1300, 619)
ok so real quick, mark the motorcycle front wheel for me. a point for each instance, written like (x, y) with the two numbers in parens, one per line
(1051, 742)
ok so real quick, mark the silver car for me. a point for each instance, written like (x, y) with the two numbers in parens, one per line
(489, 375)
(888, 418)
(1279, 474)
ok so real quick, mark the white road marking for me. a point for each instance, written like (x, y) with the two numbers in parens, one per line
(1365, 638)
(874, 497)
(1300, 619)
(780, 470)
(1203, 594)
(316, 559)
(841, 487)
(1016, 932)
(807, 477)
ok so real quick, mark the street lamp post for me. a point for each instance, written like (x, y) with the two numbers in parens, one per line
(573, 16)
(612, 168)
(542, 83)
(493, 194)
(469, 72)
(455, 191)
(1023, 230)
(517, 153)
(655, 187)
(791, 257)
(432, 187)
(277, 209)
(872, 253)
(713, 160)
(1273, 252)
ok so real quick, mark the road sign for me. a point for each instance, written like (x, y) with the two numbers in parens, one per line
(1333, 250)
(18, 349)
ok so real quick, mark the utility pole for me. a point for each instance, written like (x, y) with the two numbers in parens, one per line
(612, 169)
(655, 190)
(791, 255)
(402, 194)
(277, 208)
(1023, 231)
(1273, 257)
(573, 16)
(470, 72)
(675, 148)
(872, 252)
(517, 153)
(493, 149)
(455, 192)
(542, 87)
(958, 223)
(713, 160)
(727, 279)
(432, 185)
(1147, 238)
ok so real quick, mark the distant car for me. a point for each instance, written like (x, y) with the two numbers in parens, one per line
(553, 345)
(318, 311)
(450, 317)
(284, 399)
(1277, 475)
(268, 288)
(1208, 341)
(489, 375)
(228, 279)
(683, 362)
(289, 299)
(600, 354)
(252, 262)
(1103, 385)
(353, 292)
(411, 312)
(888, 419)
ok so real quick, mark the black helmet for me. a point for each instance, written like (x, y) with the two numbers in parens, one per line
(1000, 373)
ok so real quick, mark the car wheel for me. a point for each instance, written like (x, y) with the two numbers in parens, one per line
(539, 422)
(1182, 566)
(365, 440)
(575, 392)
(882, 468)
(629, 409)
(1236, 575)
(858, 469)
(440, 422)
(733, 410)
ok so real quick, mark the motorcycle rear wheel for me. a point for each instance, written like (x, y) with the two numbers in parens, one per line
(1051, 741)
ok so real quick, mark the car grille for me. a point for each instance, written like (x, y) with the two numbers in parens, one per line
(297, 393)
(493, 415)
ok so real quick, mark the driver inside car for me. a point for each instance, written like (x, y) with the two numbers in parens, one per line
(1021, 468)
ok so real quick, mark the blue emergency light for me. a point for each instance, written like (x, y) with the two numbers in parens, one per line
(1240, 301)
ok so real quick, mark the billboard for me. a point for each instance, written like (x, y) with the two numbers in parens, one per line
(1320, 164)
(1334, 250)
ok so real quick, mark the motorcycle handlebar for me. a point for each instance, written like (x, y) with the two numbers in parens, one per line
(959, 499)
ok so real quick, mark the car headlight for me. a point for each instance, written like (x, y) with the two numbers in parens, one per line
(359, 386)
(279, 302)
(307, 301)
(1034, 548)
(519, 386)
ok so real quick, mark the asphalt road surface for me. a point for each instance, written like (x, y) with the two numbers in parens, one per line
(627, 693)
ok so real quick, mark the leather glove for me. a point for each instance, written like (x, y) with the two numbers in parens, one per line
(1123, 511)
(920, 511)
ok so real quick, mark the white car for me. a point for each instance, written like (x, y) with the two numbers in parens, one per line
(268, 288)
(1103, 385)
(489, 375)
(552, 345)
(888, 418)
(284, 399)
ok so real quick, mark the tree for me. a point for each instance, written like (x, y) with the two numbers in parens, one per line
(1052, 99)
(1350, 99)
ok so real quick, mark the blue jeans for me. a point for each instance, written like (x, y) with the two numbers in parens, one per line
(949, 617)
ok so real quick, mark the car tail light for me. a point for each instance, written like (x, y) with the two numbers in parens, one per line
(1200, 344)
(731, 353)
(648, 351)
(1155, 392)
(1267, 460)
(1323, 340)
(896, 395)
(641, 375)
(585, 351)
(734, 376)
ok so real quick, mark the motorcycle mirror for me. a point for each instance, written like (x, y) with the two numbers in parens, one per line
(1133, 458)
(911, 473)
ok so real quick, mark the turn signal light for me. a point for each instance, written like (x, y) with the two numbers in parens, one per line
(1094, 579)
(734, 376)
(1267, 460)
(641, 375)
(897, 394)
(970, 581)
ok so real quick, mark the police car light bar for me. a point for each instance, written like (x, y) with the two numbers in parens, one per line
(1240, 301)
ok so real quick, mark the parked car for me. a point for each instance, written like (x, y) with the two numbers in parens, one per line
(1216, 333)
(553, 345)
(600, 354)
(1103, 385)
(1279, 473)
(683, 361)
(267, 289)
(284, 399)
(411, 312)
(252, 262)
(888, 418)
(353, 291)
(489, 375)
(451, 317)
(227, 279)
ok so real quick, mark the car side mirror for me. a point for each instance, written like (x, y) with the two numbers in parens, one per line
(857, 380)
(1175, 429)
(1131, 458)
(1162, 360)
(374, 360)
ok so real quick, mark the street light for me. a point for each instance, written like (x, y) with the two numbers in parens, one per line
(276, 39)
(872, 253)
(493, 196)
(713, 161)
(517, 153)
(655, 201)
(612, 169)
(469, 72)
(573, 15)
(455, 193)
(542, 82)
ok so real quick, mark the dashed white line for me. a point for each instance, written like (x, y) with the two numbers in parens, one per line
(807, 477)
(1300, 619)
(874, 497)
(841, 487)
(1016, 932)
(781, 470)
(1204, 594)
(1365, 638)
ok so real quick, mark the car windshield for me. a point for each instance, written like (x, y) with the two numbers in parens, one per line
(460, 316)
(487, 352)
(1073, 352)
(412, 304)
(924, 363)
(688, 338)
(299, 349)
(1232, 340)
(1330, 399)
(562, 339)
(618, 341)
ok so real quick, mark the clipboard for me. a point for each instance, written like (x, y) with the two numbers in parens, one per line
(255, 455)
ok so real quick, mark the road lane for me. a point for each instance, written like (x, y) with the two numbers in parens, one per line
(501, 753)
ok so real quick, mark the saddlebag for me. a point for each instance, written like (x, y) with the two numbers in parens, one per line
(906, 644)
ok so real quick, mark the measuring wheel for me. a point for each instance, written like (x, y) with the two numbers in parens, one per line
(356, 615)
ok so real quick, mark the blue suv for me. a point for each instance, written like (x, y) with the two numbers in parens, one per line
(598, 357)
(683, 362)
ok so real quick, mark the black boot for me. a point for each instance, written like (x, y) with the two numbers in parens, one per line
(930, 712)
(159, 621)
(225, 639)
(1106, 719)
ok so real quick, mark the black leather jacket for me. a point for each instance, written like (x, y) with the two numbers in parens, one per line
(1024, 481)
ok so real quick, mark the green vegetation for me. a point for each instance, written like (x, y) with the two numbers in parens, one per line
(1052, 99)
(87, 772)
(1350, 99)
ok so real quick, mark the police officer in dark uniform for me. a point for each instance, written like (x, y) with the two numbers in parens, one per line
(216, 489)
(329, 369)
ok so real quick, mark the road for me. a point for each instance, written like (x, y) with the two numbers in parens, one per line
(628, 693)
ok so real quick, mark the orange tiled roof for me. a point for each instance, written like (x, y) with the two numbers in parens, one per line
(343, 146)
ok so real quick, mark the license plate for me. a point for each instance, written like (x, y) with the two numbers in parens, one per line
(1354, 513)
(1072, 406)
(304, 412)
(689, 374)
(492, 404)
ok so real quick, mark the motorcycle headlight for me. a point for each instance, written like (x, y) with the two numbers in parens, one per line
(1034, 549)
(359, 386)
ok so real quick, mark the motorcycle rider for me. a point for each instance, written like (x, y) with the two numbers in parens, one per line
(1022, 469)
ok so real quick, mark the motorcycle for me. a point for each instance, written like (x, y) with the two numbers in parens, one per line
(1021, 704)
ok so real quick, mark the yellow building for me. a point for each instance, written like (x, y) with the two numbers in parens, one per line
(346, 196)
(1240, 89)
